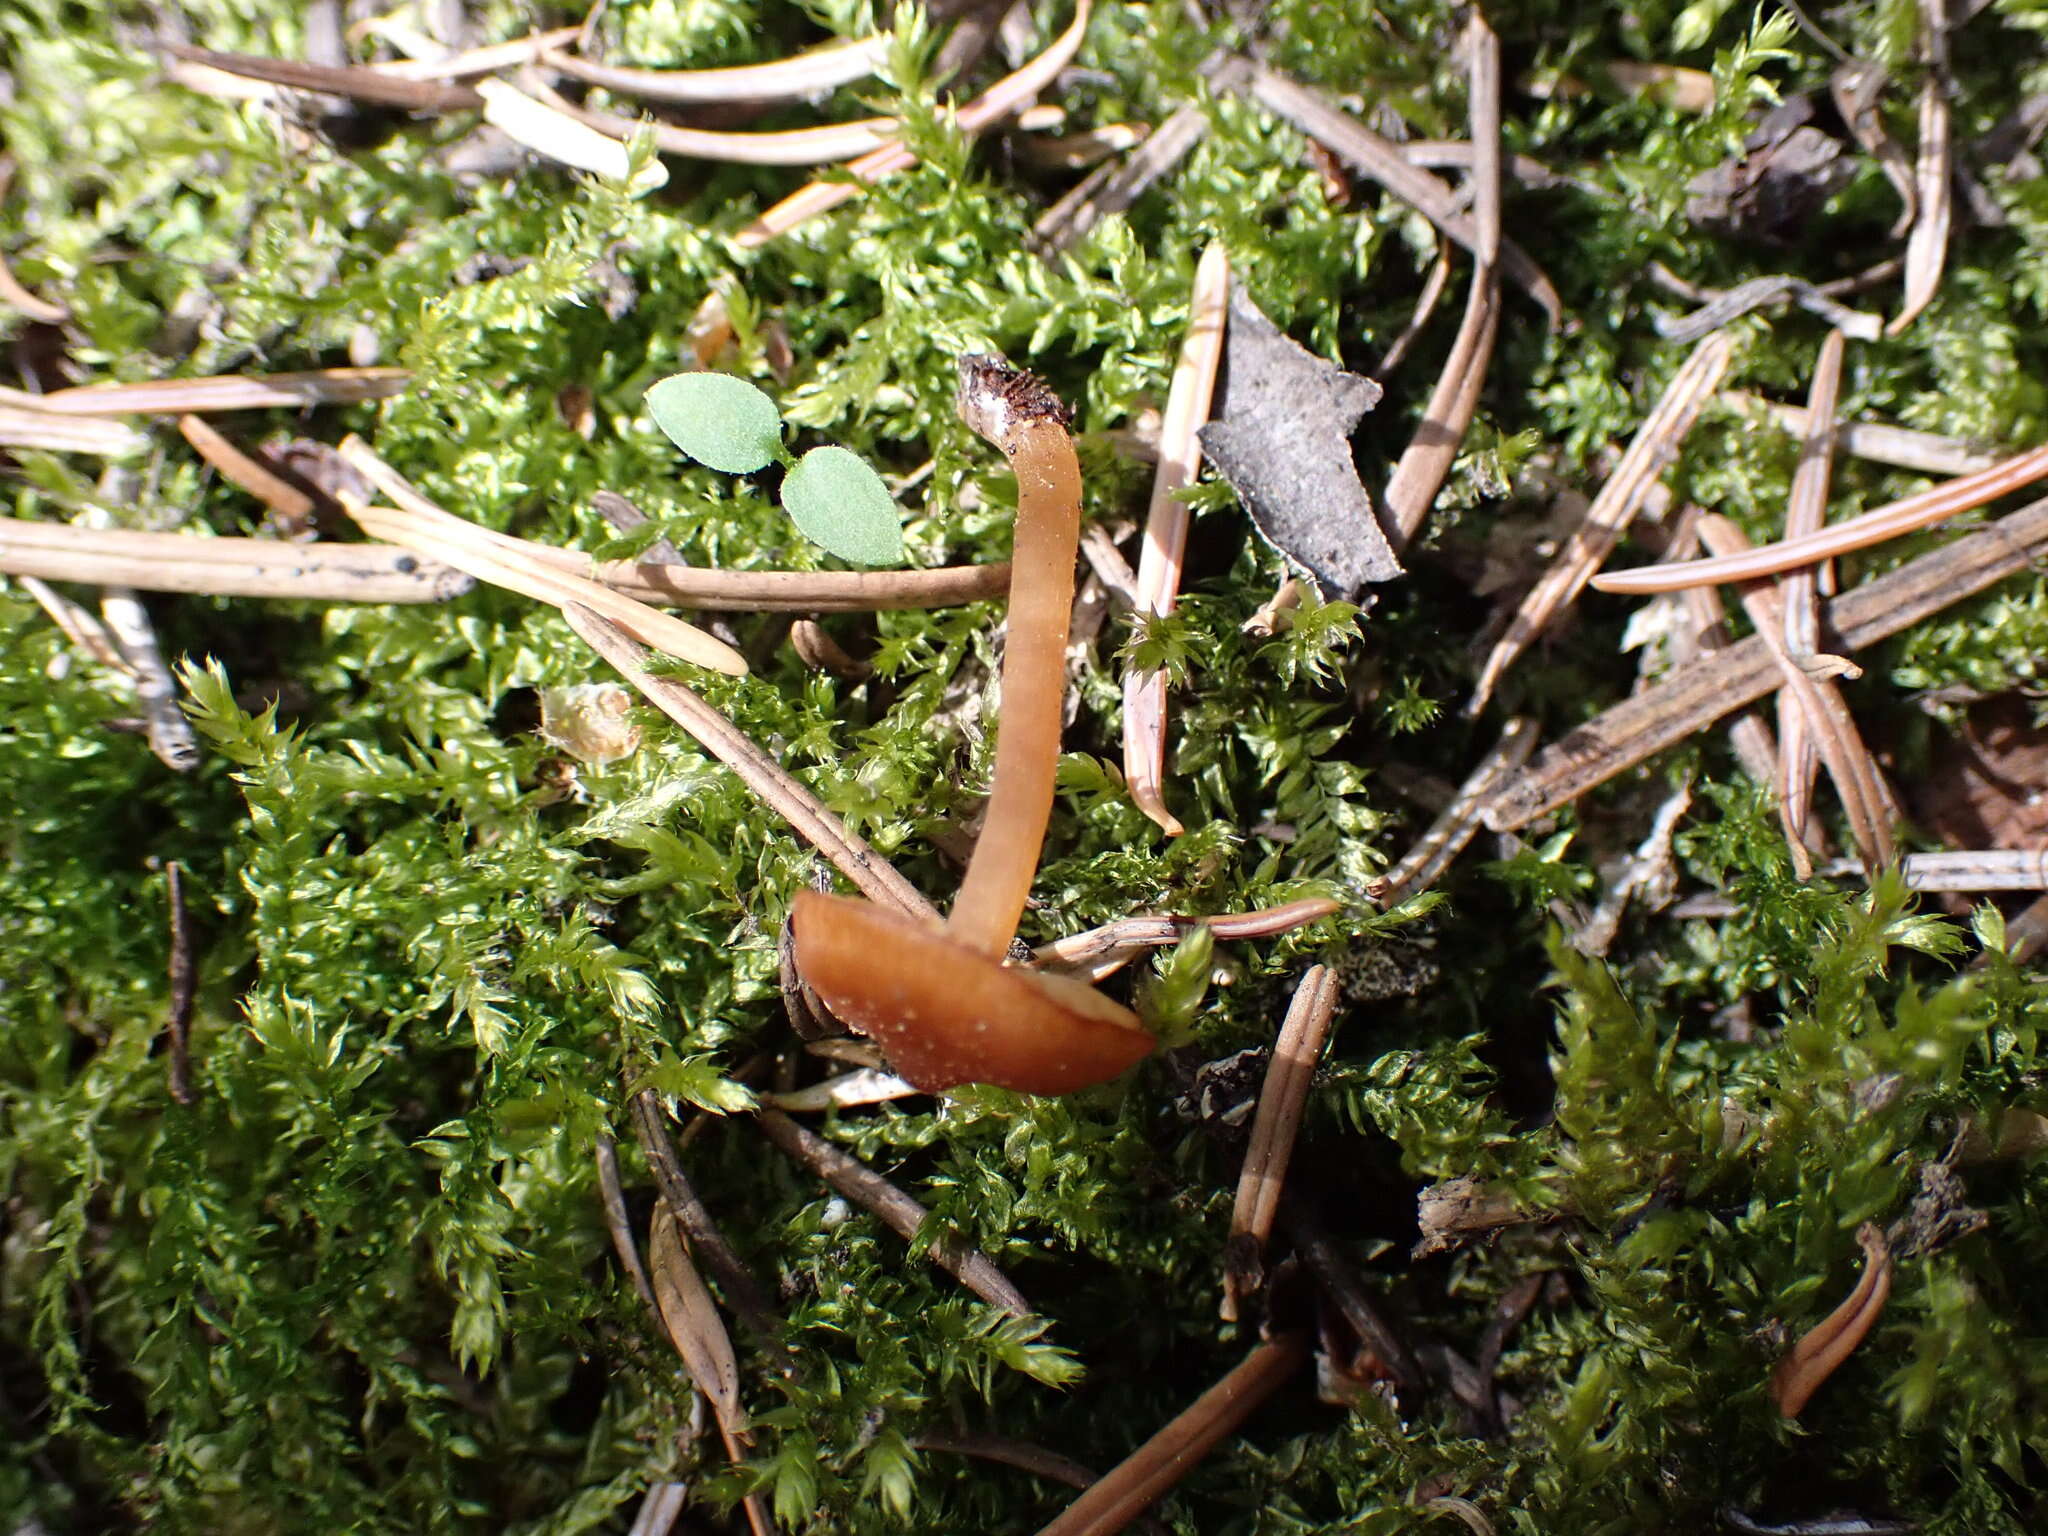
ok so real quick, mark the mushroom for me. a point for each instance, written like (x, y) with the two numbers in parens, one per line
(940, 1000)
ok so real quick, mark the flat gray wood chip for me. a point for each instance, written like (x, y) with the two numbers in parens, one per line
(1282, 438)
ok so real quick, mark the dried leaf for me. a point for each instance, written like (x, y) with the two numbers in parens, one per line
(1283, 441)
(692, 1320)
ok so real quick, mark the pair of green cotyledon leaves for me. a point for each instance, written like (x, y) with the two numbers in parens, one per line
(831, 494)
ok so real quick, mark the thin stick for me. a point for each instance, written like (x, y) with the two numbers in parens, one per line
(1025, 1457)
(1724, 308)
(781, 793)
(1654, 447)
(1102, 951)
(170, 734)
(38, 309)
(1341, 1284)
(615, 1218)
(1112, 188)
(625, 517)
(1806, 511)
(486, 59)
(1929, 453)
(1274, 1127)
(1756, 749)
(1166, 528)
(903, 1215)
(1927, 242)
(742, 1294)
(1459, 821)
(352, 81)
(1986, 869)
(238, 468)
(685, 586)
(419, 524)
(994, 104)
(184, 985)
(1419, 475)
(793, 79)
(79, 625)
(1433, 287)
(545, 584)
(1382, 160)
(1482, 73)
(794, 146)
(1149, 1472)
(1821, 1352)
(1674, 708)
(1827, 718)
(179, 562)
(229, 392)
(21, 427)
(1907, 516)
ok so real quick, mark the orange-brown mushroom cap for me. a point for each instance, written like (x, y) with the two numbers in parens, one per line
(946, 1014)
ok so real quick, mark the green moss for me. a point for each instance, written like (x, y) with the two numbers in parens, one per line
(364, 1281)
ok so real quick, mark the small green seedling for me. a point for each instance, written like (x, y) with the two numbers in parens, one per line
(835, 499)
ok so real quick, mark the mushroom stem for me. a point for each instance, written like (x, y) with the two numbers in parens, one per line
(1028, 424)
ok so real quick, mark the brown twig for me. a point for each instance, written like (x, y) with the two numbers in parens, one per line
(615, 1219)
(230, 392)
(781, 793)
(821, 145)
(1928, 453)
(1825, 717)
(1275, 1125)
(1806, 510)
(1102, 951)
(691, 1320)
(179, 562)
(184, 985)
(80, 626)
(742, 1294)
(1821, 1352)
(1149, 1472)
(902, 1214)
(419, 524)
(1433, 287)
(684, 586)
(238, 468)
(11, 290)
(1457, 823)
(1341, 1285)
(170, 734)
(1906, 516)
(24, 428)
(1670, 710)
(1025, 1457)
(991, 106)
(1419, 475)
(1654, 447)
(798, 78)
(485, 59)
(1927, 241)
(1166, 529)
(1111, 187)
(1382, 160)
(351, 81)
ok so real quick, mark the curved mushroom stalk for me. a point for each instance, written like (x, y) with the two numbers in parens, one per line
(942, 1004)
